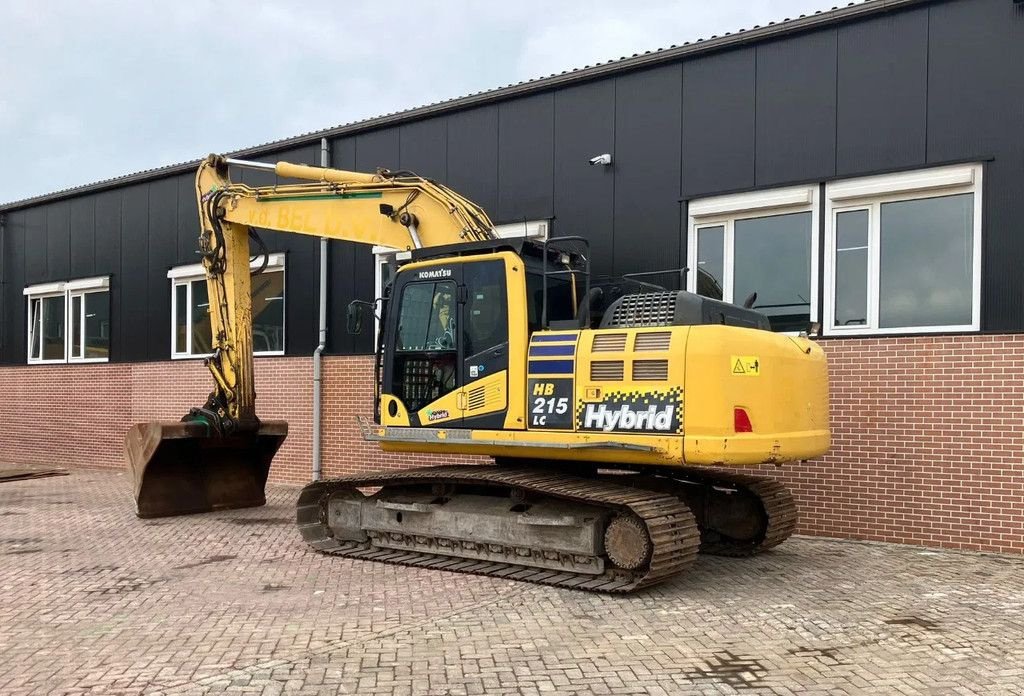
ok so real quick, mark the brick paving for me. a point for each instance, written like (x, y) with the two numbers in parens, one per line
(93, 600)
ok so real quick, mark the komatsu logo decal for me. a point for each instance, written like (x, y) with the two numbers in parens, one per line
(437, 273)
(633, 412)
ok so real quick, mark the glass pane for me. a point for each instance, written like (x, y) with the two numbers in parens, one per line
(202, 338)
(772, 257)
(35, 351)
(485, 322)
(927, 261)
(76, 326)
(851, 301)
(710, 261)
(427, 319)
(97, 325)
(181, 318)
(560, 306)
(268, 311)
(53, 328)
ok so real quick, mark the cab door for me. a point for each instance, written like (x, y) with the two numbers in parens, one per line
(484, 343)
(422, 363)
(448, 345)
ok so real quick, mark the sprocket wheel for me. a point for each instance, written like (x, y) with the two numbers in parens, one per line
(627, 542)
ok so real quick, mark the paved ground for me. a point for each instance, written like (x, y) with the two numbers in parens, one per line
(96, 601)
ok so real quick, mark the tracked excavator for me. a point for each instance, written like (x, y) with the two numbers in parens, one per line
(616, 418)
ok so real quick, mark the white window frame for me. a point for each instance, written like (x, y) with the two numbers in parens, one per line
(870, 193)
(68, 290)
(530, 229)
(382, 256)
(724, 211)
(185, 275)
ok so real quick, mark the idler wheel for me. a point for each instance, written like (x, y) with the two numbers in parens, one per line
(627, 543)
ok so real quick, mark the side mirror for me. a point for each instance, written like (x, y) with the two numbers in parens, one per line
(355, 317)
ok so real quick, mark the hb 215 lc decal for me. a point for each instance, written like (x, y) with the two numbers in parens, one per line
(633, 412)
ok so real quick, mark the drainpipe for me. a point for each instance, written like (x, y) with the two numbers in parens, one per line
(325, 161)
(3, 280)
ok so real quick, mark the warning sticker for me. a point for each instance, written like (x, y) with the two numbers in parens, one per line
(745, 365)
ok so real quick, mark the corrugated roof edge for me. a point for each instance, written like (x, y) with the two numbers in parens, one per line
(638, 60)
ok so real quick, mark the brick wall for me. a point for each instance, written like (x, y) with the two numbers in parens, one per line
(77, 415)
(928, 432)
(927, 444)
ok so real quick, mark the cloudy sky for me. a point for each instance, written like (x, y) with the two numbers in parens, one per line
(95, 89)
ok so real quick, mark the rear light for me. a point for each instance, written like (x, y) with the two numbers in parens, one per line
(741, 421)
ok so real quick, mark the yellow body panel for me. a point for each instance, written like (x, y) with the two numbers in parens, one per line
(389, 402)
(787, 400)
(486, 395)
(591, 447)
(665, 396)
(446, 409)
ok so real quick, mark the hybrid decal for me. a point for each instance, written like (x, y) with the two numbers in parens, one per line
(434, 274)
(633, 412)
(439, 414)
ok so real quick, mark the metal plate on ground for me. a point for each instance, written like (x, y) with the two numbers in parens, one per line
(21, 474)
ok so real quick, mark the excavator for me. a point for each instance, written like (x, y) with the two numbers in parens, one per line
(616, 413)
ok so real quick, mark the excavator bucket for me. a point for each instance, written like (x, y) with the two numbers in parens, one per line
(182, 469)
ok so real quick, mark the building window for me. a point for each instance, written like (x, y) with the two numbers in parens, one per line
(759, 248)
(191, 335)
(903, 252)
(69, 321)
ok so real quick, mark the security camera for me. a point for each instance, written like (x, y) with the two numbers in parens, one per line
(604, 159)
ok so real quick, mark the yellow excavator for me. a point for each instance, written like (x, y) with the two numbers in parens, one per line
(616, 412)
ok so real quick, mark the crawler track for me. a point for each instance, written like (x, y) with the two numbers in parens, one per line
(669, 523)
(779, 509)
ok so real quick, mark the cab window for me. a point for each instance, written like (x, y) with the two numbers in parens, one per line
(427, 319)
(486, 324)
(560, 304)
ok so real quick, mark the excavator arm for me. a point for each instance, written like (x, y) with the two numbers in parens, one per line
(398, 210)
(219, 456)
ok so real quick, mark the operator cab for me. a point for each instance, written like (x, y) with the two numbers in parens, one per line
(450, 319)
(450, 327)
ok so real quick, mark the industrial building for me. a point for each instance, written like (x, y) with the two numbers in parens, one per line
(860, 169)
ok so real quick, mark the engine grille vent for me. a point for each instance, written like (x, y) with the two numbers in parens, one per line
(646, 309)
(476, 399)
(650, 370)
(609, 343)
(606, 370)
(656, 340)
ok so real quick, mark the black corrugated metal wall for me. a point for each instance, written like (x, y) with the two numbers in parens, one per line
(935, 83)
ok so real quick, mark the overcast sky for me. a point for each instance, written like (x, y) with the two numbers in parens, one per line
(91, 90)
